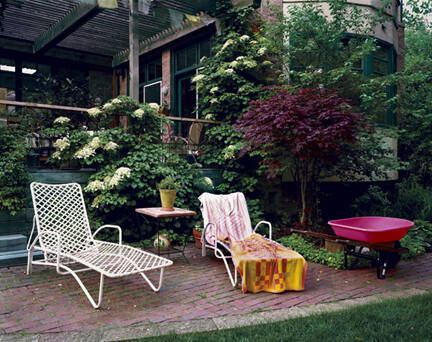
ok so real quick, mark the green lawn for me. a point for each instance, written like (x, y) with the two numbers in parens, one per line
(394, 320)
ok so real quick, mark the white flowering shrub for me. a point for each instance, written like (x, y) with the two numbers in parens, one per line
(128, 162)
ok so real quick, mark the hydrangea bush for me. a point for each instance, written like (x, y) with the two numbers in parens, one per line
(129, 162)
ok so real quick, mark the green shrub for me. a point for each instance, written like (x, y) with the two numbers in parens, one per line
(418, 239)
(128, 163)
(14, 176)
(310, 253)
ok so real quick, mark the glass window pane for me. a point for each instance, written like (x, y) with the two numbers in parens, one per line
(380, 67)
(181, 59)
(191, 56)
(205, 48)
(7, 77)
(152, 93)
(381, 52)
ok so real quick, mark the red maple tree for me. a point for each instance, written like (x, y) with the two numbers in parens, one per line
(302, 132)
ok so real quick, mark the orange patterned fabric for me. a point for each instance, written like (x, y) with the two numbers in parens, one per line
(268, 266)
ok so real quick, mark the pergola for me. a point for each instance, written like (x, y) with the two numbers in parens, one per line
(107, 32)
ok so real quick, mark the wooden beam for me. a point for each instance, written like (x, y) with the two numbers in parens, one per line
(14, 48)
(40, 105)
(79, 109)
(133, 50)
(163, 38)
(71, 21)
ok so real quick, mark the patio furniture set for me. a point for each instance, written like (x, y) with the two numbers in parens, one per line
(64, 237)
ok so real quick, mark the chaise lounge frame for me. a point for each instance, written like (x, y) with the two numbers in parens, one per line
(65, 238)
(225, 252)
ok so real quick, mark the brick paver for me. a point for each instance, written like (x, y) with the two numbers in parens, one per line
(47, 302)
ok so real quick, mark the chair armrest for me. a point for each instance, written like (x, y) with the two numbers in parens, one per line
(109, 226)
(269, 225)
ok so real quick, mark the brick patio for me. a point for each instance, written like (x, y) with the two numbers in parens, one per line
(46, 302)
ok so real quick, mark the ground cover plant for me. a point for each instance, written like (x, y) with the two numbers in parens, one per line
(405, 319)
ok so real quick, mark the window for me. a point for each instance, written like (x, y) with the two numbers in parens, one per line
(186, 65)
(150, 78)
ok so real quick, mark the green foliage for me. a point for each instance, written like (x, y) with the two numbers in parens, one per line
(229, 80)
(57, 91)
(416, 103)
(14, 176)
(418, 239)
(321, 53)
(129, 162)
(311, 253)
(168, 183)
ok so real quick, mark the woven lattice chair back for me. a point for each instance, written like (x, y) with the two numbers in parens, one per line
(61, 209)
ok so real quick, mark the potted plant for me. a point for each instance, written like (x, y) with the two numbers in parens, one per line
(168, 190)
(197, 233)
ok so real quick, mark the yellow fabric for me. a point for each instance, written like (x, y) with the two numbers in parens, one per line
(268, 266)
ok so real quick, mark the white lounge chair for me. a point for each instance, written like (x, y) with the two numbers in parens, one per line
(65, 238)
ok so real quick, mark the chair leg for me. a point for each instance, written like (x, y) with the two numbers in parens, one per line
(29, 261)
(232, 279)
(89, 297)
(155, 289)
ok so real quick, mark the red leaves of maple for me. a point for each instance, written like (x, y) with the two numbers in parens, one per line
(309, 124)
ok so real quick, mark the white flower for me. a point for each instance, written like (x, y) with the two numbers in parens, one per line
(61, 144)
(244, 37)
(138, 113)
(96, 201)
(262, 51)
(154, 106)
(94, 111)
(62, 120)
(116, 101)
(197, 78)
(214, 89)
(95, 143)
(213, 100)
(227, 43)
(239, 58)
(253, 42)
(95, 185)
(123, 172)
(56, 155)
(107, 105)
(233, 64)
(250, 63)
(229, 70)
(84, 152)
(110, 146)
(209, 117)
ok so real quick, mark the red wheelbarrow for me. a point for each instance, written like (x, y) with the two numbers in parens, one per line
(381, 234)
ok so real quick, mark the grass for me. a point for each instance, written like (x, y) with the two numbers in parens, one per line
(392, 320)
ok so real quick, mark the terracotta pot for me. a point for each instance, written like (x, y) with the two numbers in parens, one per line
(167, 199)
(197, 235)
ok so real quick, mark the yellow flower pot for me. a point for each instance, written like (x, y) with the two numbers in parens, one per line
(167, 199)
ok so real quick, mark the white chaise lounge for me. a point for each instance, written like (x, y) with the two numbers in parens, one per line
(65, 238)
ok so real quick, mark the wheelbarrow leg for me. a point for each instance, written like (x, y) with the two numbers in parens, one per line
(382, 264)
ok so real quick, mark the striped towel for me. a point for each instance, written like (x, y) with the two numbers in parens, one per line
(230, 215)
